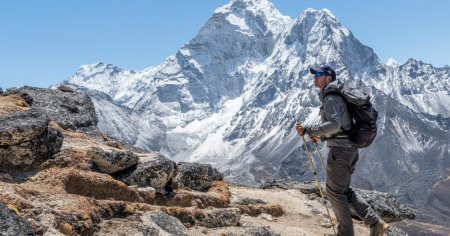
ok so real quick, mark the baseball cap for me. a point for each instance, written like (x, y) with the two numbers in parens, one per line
(324, 69)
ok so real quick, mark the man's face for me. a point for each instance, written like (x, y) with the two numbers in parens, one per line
(321, 81)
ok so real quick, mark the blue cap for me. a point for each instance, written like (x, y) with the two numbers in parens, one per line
(324, 69)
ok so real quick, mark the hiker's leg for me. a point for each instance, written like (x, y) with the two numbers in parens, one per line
(338, 181)
(359, 204)
(362, 208)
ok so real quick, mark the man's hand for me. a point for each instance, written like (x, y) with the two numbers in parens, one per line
(300, 129)
(314, 139)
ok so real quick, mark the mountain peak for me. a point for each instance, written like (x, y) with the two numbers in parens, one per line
(240, 11)
(392, 62)
(252, 5)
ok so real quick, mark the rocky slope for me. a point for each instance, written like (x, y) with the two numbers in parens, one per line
(82, 182)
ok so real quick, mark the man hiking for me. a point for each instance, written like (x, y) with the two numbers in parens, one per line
(342, 156)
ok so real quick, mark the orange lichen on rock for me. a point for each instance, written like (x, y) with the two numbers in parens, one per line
(12, 103)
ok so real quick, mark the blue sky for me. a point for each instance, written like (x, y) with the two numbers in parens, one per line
(44, 42)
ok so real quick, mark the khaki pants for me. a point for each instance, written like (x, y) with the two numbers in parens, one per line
(341, 163)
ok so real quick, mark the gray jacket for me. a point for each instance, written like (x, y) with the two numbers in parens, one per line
(334, 115)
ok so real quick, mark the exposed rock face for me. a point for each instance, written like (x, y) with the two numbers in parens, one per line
(69, 110)
(217, 196)
(211, 218)
(165, 222)
(26, 140)
(127, 227)
(113, 161)
(11, 224)
(196, 176)
(155, 173)
(20, 127)
(66, 88)
(99, 186)
(256, 207)
(384, 204)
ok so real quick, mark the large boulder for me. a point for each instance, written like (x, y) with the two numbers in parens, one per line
(196, 176)
(70, 110)
(20, 127)
(112, 161)
(156, 172)
(26, 140)
(164, 222)
(386, 206)
(12, 224)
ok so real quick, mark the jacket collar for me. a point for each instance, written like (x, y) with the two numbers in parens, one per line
(334, 86)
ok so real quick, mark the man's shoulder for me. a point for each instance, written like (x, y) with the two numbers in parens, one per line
(332, 97)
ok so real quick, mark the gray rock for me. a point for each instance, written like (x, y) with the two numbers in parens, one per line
(155, 173)
(126, 226)
(26, 141)
(1, 91)
(258, 231)
(394, 231)
(165, 222)
(66, 88)
(246, 201)
(20, 127)
(307, 187)
(244, 231)
(12, 224)
(196, 176)
(113, 161)
(221, 217)
(69, 110)
(386, 206)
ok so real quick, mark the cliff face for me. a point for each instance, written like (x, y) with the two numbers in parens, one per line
(60, 175)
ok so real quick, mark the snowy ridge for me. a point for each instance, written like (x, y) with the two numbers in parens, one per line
(232, 95)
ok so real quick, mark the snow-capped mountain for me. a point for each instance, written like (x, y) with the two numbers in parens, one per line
(231, 97)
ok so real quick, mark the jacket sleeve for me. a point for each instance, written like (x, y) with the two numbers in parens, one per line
(332, 115)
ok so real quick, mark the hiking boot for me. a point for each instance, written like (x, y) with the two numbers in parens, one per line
(378, 228)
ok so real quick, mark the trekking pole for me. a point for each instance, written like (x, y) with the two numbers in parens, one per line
(320, 156)
(318, 182)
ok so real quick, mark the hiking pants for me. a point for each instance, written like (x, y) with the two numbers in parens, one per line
(340, 166)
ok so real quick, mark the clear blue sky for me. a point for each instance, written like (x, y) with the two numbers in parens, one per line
(44, 42)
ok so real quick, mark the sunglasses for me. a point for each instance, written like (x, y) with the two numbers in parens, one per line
(318, 74)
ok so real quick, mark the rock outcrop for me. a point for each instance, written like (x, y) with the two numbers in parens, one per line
(196, 176)
(156, 172)
(26, 140)
(113, 161)
(71, 110)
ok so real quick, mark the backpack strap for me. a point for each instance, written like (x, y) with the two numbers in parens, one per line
(343, 134)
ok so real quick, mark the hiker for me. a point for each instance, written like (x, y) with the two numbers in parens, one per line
(342, 156)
